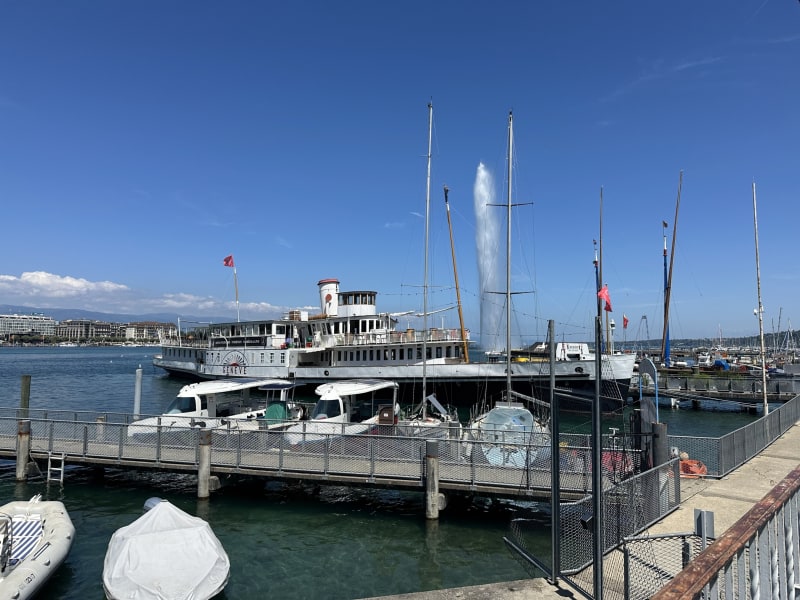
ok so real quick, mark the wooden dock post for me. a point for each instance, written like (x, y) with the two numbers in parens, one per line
(431, 479)
(24, 429)
(204, 464)
(25, 396)
(23, 448)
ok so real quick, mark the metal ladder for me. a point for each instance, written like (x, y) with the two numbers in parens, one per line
(55, 467)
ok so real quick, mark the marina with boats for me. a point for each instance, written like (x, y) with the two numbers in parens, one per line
(341, 509)
(386, 417)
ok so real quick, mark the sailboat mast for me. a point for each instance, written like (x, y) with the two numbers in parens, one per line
(668, 288)
(455, 275)
(425, 283)
(508, 253)
(600, 267)
(760, 310)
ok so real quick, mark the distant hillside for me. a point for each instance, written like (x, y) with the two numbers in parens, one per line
(62, 314)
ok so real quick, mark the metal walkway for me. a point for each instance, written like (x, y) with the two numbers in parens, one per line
(385, 461)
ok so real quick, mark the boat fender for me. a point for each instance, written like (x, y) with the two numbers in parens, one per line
(692, 469)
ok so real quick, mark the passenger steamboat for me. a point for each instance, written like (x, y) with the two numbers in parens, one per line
(350, 339)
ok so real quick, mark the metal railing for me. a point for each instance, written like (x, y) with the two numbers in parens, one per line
(721, 455)
(764, 558)
(756, 558)
(389, 455)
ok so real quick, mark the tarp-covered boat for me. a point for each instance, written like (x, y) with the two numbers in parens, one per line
(166, 554)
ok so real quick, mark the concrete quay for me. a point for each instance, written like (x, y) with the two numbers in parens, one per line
(728, 498)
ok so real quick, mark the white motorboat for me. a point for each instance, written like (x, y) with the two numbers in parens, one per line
(36, 536)
(166, 554)
(225, 405)
(342, 409)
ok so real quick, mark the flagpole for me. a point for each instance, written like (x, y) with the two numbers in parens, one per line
(236, 287)
(229, 262)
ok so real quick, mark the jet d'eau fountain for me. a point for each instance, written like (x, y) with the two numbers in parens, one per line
(487, 237)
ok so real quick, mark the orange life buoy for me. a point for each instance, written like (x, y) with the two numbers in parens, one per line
(692, 469)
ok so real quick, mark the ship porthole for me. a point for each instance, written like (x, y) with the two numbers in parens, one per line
(579, 369)
(326, 373)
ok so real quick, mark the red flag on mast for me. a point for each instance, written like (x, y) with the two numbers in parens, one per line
(228, 260)
(604, 295)
(624, 321)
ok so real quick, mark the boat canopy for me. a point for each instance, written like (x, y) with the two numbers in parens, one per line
(353, 387)
(222, 386)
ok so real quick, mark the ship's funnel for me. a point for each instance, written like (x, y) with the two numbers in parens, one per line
(329, 296)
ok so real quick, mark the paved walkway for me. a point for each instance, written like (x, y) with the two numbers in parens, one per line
(729, 498)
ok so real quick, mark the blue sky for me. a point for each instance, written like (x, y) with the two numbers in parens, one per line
(142, 142)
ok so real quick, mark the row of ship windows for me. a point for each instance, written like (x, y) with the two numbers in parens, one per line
(389, 354)
(384, 354)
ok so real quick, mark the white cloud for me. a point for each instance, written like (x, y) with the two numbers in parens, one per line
(37, 284)
(39, 289)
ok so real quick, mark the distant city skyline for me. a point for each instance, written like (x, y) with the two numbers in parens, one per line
(144, 143)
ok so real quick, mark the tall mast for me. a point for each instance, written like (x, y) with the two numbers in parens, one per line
(455, 275)
(425, 283)
(600, 283)
(508, 254)
(760, 310)
(668, 286)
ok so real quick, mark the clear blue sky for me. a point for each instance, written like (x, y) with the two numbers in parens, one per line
(142, 142)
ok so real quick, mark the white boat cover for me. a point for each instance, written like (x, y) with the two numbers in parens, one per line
(166, 554)
(515, 437)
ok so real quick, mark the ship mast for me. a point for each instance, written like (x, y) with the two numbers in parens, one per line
(455, 274)
(760, 310)
(425, 282)
(508, 256)
(668, 282)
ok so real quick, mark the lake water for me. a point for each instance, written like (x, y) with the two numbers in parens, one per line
(287, 542)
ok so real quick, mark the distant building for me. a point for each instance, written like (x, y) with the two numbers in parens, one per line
(148, 330)
(85, 329)
(26, 325)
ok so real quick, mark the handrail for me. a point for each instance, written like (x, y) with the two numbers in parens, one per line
(715, 559)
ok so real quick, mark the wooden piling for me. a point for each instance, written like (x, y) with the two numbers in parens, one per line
(25, 396)
(431, 479)
(204, 464)
(23, 448)
(24, 429)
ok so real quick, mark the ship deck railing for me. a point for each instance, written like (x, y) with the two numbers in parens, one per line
(409, 336)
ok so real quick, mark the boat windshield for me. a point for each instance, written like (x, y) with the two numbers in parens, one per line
(325, 409)
(181, 404)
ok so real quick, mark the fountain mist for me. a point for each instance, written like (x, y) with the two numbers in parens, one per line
(487, 233)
